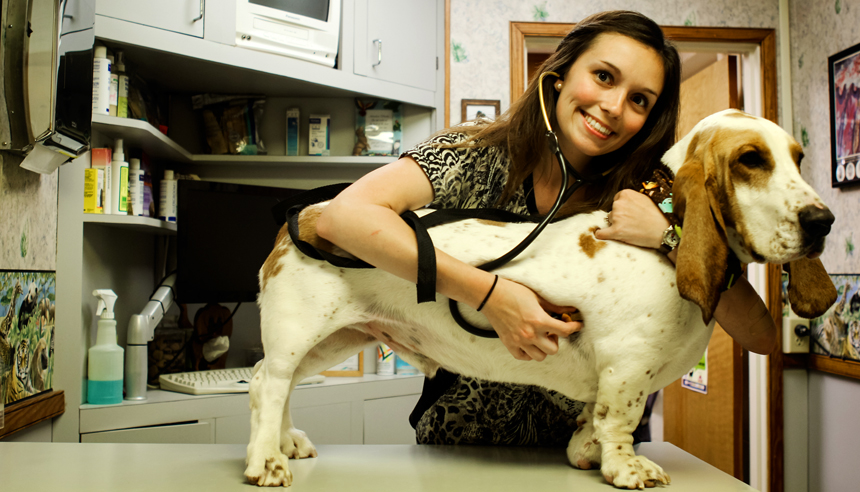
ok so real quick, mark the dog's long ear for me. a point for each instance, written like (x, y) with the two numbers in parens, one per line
(810, 290)
(703, 253)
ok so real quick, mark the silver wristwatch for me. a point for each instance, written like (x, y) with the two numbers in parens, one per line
(670, 240)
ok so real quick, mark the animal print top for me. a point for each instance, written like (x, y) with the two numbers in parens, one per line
(475, 411)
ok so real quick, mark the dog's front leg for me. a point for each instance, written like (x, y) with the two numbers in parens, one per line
(620, 403)
(269, 389)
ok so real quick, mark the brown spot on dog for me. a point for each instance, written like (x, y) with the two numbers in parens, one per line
(589, 245)
(601, 413)
(619, 446)
(600, 278)
(648, 371)
(629, 403)
(272, 266)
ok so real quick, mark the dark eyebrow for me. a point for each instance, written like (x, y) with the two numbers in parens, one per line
(619, 71)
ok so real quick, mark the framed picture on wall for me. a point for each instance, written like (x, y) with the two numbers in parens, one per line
(472, 109)
(844, 76)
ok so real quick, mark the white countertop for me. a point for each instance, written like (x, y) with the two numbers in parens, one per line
(72, 467)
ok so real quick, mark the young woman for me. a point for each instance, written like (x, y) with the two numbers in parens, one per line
(614, 107)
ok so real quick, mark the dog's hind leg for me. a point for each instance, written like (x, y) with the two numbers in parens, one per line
(335, 348)
(583, 451)
(620, 403)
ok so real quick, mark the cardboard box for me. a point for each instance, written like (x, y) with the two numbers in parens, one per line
(293, 131)
(318, 134)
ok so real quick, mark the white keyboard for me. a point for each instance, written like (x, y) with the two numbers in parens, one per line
(216, 381)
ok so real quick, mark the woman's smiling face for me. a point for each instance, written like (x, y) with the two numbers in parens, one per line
(606, 96)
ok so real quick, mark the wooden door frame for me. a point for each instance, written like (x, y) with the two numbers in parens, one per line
(766, 40)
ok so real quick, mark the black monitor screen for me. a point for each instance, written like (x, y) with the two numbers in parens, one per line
(315, 9)
(224, 234)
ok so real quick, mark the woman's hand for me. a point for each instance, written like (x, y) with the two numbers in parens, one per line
(634, 219)
(521, 319)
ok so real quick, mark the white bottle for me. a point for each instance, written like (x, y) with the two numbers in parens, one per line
(384, 360)
(101, 81)
(167, 197)
(135, 188)
(119, 180)
(122, 86)
(105, 358)
(114, 86)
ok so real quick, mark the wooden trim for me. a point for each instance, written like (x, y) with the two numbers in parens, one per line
(847, 368)
(766, 39)
(447, 110)
(348, 374)
(31, 411)
(775, 404)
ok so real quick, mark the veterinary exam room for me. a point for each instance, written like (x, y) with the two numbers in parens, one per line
(432, 245)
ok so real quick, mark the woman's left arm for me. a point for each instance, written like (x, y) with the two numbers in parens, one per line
(636, 220)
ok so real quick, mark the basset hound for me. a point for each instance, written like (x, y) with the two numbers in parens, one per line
(646, 321)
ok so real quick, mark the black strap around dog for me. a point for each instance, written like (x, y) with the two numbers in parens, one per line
(288, 212)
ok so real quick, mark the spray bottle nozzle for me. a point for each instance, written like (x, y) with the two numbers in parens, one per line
(107, 298)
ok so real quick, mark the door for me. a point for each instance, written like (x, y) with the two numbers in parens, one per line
(182, 16)
(710, 426)
(395, 41)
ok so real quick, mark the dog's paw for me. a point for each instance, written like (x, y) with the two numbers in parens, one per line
(583, 451)
(273, 471)
(295, 444)
(628, 471)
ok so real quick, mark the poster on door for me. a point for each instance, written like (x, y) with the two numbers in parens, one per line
(697, 379)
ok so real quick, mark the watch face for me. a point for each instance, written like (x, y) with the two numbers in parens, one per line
(670, 238)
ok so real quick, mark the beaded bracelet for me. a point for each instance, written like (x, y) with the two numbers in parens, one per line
(488, 293)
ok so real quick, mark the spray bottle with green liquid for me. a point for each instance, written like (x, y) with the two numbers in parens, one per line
(105, 358)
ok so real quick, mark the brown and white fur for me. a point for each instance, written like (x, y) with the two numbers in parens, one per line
(646, 322)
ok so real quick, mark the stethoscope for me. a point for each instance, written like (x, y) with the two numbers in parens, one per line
(564, 194)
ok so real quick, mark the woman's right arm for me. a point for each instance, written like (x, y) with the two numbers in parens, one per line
(364, 220)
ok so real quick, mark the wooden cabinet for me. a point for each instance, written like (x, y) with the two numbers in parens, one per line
(396, 41)
(181, 16)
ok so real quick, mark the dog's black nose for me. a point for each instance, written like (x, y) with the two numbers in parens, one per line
(815, 221)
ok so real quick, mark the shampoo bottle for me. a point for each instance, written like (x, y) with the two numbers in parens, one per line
(105, 358)
(114, 85)
(167, 198)
(122, 86)
(119, 180)
(135, 188)
(101, 82)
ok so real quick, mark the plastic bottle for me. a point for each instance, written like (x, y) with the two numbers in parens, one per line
(119, 180)
(101, 81)
(167, 198)
(135, 188)
(105, 358)
(114, 86)
(122, 86)
(384, 360)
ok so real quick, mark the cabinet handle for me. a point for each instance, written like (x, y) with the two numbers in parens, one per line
(201, 13)
(378, 43)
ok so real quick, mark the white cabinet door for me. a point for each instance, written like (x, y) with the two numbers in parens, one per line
(386, 420)
(182, 16)
(395, 40)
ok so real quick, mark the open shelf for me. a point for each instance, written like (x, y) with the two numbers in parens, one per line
(140, 134)
(143, 224)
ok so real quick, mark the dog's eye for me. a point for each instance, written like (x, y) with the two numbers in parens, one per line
(751, 159)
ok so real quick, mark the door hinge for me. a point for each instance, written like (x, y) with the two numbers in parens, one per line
(437, 63)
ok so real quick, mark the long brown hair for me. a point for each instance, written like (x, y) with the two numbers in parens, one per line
(522, 130)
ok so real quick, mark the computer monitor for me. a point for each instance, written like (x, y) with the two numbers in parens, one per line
(224, 234)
